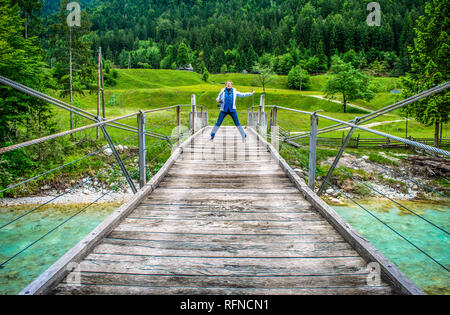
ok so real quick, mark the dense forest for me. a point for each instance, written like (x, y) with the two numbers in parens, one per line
(229, 36)
(286, 37)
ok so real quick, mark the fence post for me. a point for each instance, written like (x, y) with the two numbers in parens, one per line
(312, 151)
(178, 125)
(261, 109)
(193, 110)
(275, 133)
(142, 150)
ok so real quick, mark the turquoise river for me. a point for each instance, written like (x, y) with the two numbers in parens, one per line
(429, 276)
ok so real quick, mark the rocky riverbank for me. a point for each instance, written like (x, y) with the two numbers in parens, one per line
(375, 180)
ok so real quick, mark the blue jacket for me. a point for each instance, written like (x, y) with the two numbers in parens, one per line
(235, 94)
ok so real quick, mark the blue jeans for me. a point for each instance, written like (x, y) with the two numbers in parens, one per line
(235, 117)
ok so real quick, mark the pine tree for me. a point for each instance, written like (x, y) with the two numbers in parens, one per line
(430, 66)
(62, 37)
(183, 56)
(20, 60)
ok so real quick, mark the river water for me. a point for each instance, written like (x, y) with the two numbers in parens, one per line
(24, 268)
(428, 275)
(418, 267)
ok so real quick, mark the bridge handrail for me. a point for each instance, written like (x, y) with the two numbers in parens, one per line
(277, 136)
(385, 110)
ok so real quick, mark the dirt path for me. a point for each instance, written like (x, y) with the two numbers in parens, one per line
(339, 102)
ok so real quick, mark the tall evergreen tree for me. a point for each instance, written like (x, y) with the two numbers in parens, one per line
(430, 65)
(20, 60)
(183, 59)
(62, 38)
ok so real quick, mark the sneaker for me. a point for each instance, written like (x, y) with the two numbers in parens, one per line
(244, 139)
(212, 139)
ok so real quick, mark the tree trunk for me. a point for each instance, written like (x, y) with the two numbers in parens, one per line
(436, 133)
(345, 103)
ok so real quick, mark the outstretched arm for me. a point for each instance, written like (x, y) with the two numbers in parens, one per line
(244, 94)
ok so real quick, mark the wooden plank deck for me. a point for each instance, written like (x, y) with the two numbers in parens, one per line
(226, 219)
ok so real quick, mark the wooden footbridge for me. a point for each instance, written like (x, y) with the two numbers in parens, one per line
(223, 217)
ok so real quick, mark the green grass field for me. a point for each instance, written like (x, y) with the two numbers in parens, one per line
(149, 89)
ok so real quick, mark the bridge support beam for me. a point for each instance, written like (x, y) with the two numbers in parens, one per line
(142, 149)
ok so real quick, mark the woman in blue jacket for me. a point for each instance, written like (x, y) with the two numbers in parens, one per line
(227, 99)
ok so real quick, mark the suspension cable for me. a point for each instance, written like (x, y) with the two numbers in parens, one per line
(389, 227)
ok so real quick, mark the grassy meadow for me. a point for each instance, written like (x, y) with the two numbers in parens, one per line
(149, 89)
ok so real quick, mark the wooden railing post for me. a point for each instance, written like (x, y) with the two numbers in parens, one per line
(142, 150)
(312, 151)
(261, 109)
(193, 111)
(274, 128)
(178, 125)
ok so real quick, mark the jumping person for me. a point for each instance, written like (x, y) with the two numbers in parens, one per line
(227, 99)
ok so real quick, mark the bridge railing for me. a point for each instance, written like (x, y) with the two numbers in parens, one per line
(151, 135)
(297, 131)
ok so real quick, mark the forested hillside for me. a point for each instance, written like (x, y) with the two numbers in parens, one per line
(232, 35)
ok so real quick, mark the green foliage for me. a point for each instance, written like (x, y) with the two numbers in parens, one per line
(347, 81)
(294, 79)
(430, 66)
(183, 59)
(63, 39)
(265, 74)
(205, 75)
(20, 60)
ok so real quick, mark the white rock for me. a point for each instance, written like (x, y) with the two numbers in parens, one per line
(108, 152)
(120, 148)
(329, 191)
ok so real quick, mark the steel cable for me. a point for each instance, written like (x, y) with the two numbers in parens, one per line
(389, 227)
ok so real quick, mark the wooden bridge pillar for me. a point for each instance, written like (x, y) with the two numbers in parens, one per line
(312, 151)
(142, 150)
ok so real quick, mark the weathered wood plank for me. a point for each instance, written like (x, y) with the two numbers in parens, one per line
(188, 183)
(229, 238)
(142, 290)
(302, 250)
(212, 265)
(170, 281)
(228, 244)
(246, 191)
(155, 213)
(199, 208)
(205, 226)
